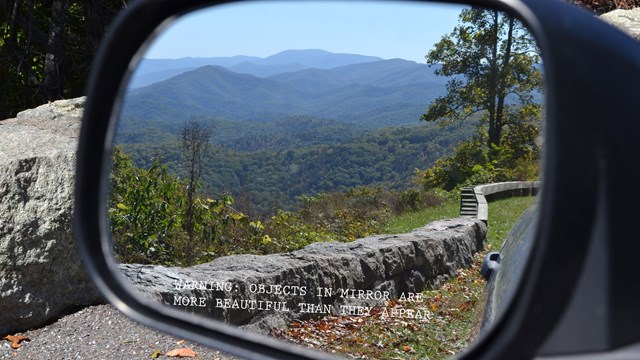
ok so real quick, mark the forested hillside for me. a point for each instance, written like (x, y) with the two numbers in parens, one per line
(331, 123)
(351, 93)
(265, 166)
(47, 47)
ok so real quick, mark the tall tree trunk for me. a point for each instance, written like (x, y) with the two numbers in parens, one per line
(504, 74)
(194, 140)
(493, 80)
(95, 15)
(30, 80)
(51, 86)
(190, 200)
(7, 56)
(12, 23)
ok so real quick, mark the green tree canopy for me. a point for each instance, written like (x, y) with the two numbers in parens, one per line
(46, 48)
(493, 63)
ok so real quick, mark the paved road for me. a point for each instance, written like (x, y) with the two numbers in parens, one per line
(99, 332)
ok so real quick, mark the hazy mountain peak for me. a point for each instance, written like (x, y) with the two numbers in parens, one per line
(308, 52)
(316, 58)
(154, 70)
(347, 93)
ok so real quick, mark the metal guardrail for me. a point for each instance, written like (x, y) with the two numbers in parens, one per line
(474, 202)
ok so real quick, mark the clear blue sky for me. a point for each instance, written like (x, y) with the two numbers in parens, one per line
(386, 29)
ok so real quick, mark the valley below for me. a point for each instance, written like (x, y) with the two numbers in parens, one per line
(301, 122)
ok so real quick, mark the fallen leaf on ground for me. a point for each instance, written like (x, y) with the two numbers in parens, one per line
(156, 354)
(16, 340)
(182, 352)
(407, 348)
(180, 342)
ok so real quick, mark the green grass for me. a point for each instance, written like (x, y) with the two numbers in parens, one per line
(409, 221)
(450, 309)
(502, 215)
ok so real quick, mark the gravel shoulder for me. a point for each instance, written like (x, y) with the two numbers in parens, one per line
(99, 332)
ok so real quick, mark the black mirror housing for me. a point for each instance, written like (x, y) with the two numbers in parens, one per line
(591, 151)
(490, 265)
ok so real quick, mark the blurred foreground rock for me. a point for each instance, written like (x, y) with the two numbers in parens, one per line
(626, 20)
(41, 277)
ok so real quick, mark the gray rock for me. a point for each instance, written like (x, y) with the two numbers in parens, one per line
(240, 289)
(626, 20)
(40, 274)
(65, 110)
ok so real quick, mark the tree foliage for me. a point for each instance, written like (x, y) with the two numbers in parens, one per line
(264, 176)
(46, 48)
(472, 163)
(148, 209)
(145, 211)
(493, 62)
(494, 67)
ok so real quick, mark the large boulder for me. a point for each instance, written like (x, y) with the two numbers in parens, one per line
(41, 277)
(626, 20)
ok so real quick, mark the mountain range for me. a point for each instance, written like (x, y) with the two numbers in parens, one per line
(393, 92)
(303, 122)
(150, 71)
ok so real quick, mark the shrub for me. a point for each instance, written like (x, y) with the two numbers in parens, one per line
(473, 163)
(147, 211)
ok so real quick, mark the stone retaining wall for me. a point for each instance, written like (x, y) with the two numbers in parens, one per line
(491, 192)
(263, 292)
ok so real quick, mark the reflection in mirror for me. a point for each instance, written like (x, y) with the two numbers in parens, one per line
(264, 148)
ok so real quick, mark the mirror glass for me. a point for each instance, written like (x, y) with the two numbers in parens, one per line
(279, 166)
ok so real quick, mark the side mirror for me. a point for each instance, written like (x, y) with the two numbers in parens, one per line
(490, 265)
(588, 163)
